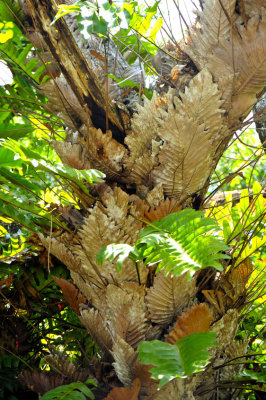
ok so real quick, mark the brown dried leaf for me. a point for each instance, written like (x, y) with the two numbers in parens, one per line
(60, 251)
(126, 312)
(105, 153)
(67, 368)
(125, 358)
(168, 296)
(41, 382)
(165, 208)
(74, 155)
(238, 278)
(129, 393)
(93, 321)
(109, 223)
(240, 63)
(70, 293)
(216, 298)
(190, 131)
(213, 26)
(194, 320)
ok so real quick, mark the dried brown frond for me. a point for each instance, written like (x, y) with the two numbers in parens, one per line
(216, 298)
(105, 153)
(60, 251)
(110, 222)
(68, 369)
(184, 127)
(70, 293)
(238, 65)
(168, 296)
(194, 320)
(234, 284)
(125, 357)
(165, 208)
(126, 312)
(94, 323)
(212, 27)
(74, 155)
(41, 382)
(129, 393)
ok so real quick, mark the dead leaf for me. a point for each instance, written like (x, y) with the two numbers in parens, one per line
(165, 208)
(97, 55)
(70, 293)
(128, 393)
(194, 320)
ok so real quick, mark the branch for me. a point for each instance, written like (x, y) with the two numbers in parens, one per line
(74, 66)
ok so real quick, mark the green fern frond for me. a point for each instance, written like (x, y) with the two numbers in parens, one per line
(75, 390)
(182, 242)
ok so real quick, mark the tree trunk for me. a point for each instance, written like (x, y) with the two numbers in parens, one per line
(158, 156)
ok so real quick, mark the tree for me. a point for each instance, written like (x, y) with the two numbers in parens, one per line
(158, 156)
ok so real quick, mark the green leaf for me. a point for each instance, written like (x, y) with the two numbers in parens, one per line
(15, 131)
(65, 9)
(182, 242)
(155, 29)
(187, 356)
(112, 251)
(73, 391)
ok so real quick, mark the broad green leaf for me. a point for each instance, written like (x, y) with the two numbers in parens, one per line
(7, 159)
(15, 131)
(187, 356)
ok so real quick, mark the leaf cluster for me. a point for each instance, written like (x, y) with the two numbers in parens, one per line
(181, 242)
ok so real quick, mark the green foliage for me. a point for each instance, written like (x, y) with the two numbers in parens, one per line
(132, 26)
(129, 83)
(181, 242)
(9, 367)
(10, 242)
(21, 198)
(243, 224)
(11, 11)
(244, 157)
(73, 391)
(187, 356)
(16, 56)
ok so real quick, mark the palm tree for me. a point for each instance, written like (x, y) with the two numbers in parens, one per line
(158, 156)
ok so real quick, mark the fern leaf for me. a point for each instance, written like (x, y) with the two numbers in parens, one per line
(181, 242)
(73, 391)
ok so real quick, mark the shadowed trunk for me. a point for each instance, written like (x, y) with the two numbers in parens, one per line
(158, 157)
